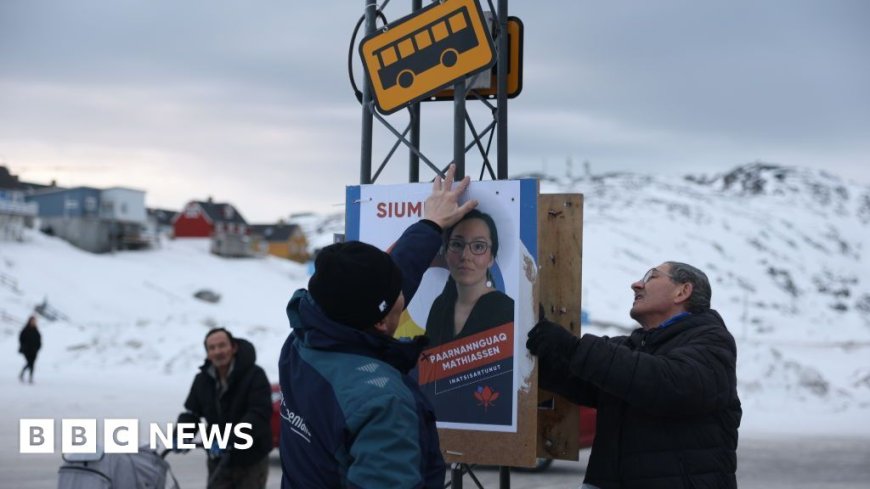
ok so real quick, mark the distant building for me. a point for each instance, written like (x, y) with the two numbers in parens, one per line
(159, 223)
(282, 239)
(162, 219)
(200, 219)
(96, 220)
(220, 221)
(15, 214)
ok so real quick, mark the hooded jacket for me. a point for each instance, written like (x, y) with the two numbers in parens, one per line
(30, 341)
(248, 399)
(668, 410)
(351, 416)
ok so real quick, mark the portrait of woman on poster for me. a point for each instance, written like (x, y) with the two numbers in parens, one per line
(469, 304)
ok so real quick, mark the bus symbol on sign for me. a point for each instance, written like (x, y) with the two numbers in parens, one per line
(421, 53)
(440, 42)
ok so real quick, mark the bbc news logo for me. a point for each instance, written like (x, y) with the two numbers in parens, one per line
(122, 435)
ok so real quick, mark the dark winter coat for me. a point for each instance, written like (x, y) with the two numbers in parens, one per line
(351, 417)
(30, 341)
(248, 399)
(668, 410)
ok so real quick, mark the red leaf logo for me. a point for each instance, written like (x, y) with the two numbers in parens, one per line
(485, 396)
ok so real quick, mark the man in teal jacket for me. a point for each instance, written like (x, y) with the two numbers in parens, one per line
(351, 416)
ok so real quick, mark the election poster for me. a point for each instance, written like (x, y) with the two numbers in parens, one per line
(474, 301)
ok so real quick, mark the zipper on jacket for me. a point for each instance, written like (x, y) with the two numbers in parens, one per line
(644, 338)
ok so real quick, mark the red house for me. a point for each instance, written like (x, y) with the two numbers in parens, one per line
(201, 219)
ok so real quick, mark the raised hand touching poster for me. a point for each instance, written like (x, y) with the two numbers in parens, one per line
(474, 302)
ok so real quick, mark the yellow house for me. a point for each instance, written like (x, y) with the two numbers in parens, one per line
(282, 240)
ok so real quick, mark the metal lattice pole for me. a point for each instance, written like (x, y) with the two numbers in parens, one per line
(459, 128)
(501, 79)
(414, 159)
(365, 171)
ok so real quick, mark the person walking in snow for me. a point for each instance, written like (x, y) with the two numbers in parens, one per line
(231, 389)
(351, 416)
(29, 343)
(668, 410)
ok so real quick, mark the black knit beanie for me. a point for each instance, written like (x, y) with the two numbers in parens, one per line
(355, 283)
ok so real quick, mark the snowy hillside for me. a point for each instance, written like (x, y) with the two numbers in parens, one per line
(788, 255)
(136, 310)
(786, 251)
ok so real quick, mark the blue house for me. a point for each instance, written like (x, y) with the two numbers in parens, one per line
(96, 220)
(73, 203)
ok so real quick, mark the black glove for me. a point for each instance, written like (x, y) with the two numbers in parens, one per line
(406, 356)
(552, 344)
(185, 417)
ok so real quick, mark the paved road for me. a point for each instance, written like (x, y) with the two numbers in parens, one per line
(798, 463)
(777, 462)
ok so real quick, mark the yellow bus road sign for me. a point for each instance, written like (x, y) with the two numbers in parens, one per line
(419, 54)
(514, 72)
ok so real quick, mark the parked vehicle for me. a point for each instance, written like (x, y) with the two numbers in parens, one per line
(588, 416)
(276, 415)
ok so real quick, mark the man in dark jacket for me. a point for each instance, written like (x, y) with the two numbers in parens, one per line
(351, 417)
(668, 410)
(231, 389)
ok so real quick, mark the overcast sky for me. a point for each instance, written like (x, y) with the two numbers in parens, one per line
(249, 101)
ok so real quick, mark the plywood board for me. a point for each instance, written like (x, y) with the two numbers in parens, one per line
(560, 259)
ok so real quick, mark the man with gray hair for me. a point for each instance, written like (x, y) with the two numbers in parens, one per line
(666, 395)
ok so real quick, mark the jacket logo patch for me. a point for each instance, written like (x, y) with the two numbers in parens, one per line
(297, 423)
(369, 367)
(485, 396)
(378, 381)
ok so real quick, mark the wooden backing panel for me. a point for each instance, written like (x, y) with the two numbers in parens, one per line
(560, 258)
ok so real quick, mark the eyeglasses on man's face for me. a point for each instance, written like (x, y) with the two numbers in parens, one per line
(476, 247)
(650, 274)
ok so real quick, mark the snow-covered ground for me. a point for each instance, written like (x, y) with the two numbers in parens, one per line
(771, 256)
(785, 251)
(135, 311)
(130, 335)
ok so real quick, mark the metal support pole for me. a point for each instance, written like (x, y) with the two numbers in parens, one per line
(365, 171)
(504, 473)
(504, 477)
(501, 78)
(456, 476)
(459, 128)
(413, 159)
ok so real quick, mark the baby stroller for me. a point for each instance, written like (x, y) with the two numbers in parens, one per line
(145, 469)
